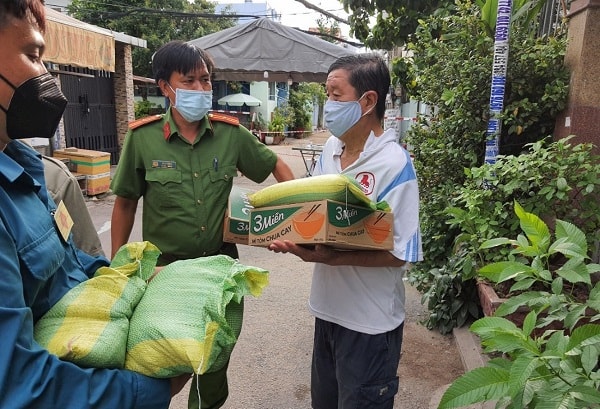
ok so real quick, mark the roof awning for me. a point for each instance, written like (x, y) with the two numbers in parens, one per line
(73, 42)
(263, 50)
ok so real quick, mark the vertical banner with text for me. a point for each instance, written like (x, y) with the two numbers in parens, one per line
(498, 80)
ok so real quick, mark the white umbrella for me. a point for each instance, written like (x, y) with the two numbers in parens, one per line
(237, 100)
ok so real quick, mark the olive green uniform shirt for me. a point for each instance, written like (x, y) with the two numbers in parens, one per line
(185, 187)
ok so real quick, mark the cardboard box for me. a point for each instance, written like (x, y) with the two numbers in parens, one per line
(85, 161)
(96, 184)
(237, 217)
(337, 224)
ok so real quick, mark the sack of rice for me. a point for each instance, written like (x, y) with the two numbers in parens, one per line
(90, 323)
(336, 187)
(190, 316)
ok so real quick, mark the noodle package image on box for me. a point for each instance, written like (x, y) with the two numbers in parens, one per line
(329, 222)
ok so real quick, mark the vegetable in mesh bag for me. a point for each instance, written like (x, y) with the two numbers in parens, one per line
(190, 316)
(339, 188)
(90, 323)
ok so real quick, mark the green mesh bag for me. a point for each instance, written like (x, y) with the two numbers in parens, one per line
(190, 316)
(339, 188)
(90, 323)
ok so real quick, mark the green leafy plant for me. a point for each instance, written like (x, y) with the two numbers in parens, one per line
(552, 372)
(143, 108)
(538, 369)
(451, 137)
(300, 107)
(557, 180)
(451, 301)
(279, 120)
(546, 272)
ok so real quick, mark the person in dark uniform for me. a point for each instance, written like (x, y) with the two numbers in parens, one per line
(39, 260)
(183, 163)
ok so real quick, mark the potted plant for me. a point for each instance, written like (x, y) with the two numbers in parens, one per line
(537, 365)
(547, 274)
(279, 119)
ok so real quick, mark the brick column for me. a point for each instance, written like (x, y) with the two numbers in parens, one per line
(581, 117)
(123, 83)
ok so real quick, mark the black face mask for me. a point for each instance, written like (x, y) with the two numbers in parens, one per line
(35, 108)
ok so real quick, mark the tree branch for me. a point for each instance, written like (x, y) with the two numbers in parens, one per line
(324, 12)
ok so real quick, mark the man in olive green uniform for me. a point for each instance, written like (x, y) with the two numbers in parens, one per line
(63, 186)
(183, 164)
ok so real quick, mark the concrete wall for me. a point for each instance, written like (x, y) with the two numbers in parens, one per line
(582, 115)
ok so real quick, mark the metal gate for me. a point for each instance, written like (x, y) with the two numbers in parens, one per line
(90, 118)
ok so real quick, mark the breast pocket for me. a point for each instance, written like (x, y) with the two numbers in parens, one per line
(44, 255)
(224, 174)
(165, 184)
(220, 184)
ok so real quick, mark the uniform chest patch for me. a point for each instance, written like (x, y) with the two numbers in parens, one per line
(164, 164)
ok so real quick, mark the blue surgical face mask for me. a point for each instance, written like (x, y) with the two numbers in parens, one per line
(193, 105)
(339, 116)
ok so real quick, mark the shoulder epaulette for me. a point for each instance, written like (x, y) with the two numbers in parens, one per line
(231, 120)
(143, 121)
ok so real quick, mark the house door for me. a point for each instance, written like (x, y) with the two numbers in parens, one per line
(90, 118)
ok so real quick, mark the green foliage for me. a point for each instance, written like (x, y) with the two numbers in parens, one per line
(234, 86)
(451, 302)
(329, 28)
(156, 21)
(557, 180)
(524, 10)
(556, 372)
(549, 369)
(449, 143)
(395, 20)
(548, 273)
(143, 108)
(279, 119)
(300, 104)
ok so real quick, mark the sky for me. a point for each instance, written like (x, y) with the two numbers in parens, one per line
(294, 14)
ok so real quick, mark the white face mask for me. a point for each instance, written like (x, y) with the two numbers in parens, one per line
(193, 105)
(339, 116)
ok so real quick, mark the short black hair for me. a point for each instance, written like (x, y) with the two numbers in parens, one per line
(20, 9)
(179, 56)
(367, 72)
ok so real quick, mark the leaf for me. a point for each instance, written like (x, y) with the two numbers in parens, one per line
(528, 298)
(588, 334)
(556, 401)
(488, 244)
(585, 393)
(572, 233)
(478, 385)
(573, 316)
(521, 370)
(504, 270)
(523, 284)
(575, 272)
(589, 359)
(484, 326)
(510, 343)
(567, 248)
(529, 323)
(536, 230)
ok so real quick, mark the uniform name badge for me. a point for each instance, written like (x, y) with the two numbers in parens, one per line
(63, 220)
